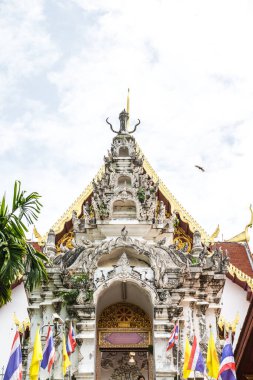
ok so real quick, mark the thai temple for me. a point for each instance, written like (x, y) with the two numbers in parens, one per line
(127, 263)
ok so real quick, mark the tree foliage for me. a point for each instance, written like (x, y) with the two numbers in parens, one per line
(17, 256)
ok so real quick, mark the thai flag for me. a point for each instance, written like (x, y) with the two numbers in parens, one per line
(173, 337)
(49, 351)
(14, 367)
(71, 341)
(196, 361)
(227, 365)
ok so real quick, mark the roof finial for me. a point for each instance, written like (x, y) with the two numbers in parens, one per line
(124, 120)
(123, 117)
(215, 234)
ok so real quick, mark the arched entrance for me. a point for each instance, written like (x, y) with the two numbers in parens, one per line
(124, 343)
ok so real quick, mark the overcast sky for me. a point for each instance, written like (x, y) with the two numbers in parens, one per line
(66, 66)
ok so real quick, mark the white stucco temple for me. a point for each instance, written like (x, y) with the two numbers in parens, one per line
(126, 263)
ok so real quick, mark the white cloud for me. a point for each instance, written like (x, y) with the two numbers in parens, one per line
(189, 68)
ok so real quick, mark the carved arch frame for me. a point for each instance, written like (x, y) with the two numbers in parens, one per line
(151, 292)
(124, 143)
(127, 198)
(150, 251)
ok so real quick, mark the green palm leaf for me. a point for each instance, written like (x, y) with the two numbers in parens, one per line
(17, 257)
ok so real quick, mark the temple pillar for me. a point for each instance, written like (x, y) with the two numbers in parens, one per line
(86, 339)
(164, 361)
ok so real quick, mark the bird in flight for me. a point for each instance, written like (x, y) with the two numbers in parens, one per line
(200, 168)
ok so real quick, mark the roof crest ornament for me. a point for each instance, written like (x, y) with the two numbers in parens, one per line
(123, 117)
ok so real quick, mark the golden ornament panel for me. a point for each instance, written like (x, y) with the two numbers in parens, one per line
(124, 315)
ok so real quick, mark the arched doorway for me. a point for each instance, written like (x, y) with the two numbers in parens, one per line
(124, 343)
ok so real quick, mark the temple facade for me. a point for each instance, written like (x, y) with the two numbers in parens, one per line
(126, 263)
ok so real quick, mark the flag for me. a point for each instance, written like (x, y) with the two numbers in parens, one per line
(187, 352)
(49, 351)
(227, 365)
(14, 367)
(36, 357)
(196, 361)
(65, 358)
(173, 337)
(71, 341)
(212, 360)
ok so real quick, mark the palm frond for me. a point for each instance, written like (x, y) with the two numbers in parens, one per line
(5, 293)
(28, 206)
(17, 257)
(3, 212)
(35, 268)
(12, 262)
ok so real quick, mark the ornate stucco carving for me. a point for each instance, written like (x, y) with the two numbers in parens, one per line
(125, 234)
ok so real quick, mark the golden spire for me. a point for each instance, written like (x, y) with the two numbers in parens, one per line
(128, 108)
(244, 236)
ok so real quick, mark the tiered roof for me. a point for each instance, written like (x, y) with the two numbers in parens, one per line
(241, 263)
(192, 225)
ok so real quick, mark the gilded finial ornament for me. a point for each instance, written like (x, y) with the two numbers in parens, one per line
(41, 240)
(227, 325)
(215, 234)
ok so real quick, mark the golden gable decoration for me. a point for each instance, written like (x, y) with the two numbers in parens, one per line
(124, 315)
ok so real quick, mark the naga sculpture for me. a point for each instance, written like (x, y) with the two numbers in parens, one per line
(123, 117)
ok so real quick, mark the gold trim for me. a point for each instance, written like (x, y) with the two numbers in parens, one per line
(131, 315)
(175, 205)
(38, 236)
(145, 343)
(215, 234)
(76, 205)
(66, 240)
(181, 238)
(240, 275)
(224, 324)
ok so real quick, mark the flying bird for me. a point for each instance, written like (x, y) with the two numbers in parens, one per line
(200, 168)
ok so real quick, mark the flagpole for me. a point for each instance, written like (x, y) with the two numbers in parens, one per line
(178, 350)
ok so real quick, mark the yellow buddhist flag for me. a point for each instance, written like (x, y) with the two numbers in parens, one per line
(212, 360)
(36, 357)
(187, 352)
(65, 358)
